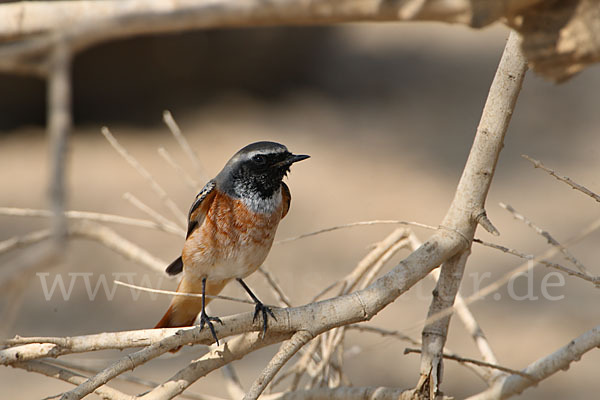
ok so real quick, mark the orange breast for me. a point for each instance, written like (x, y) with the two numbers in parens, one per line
(232, 242)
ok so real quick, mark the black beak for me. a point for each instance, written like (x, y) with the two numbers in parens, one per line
(292, 158)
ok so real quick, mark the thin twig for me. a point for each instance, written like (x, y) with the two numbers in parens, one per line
(544, 367)
(191, 182)
(353, 224)
(160, 219)
(279, 293)
(63, 374)
(384, 332)
(171, 293)
(480, 372)
(92, 216)
(117, 243)
(475, 362)
(547, 236)
(170, 204)
(492, 287)
(593, 279)
(132, 379)
(183, 143)
(567, 180)
(234, 386)
(25, 240)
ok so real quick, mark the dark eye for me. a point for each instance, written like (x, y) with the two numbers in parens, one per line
(259, 159)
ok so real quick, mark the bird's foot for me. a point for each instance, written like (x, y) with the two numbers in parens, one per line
(205, 319)
(260, 308)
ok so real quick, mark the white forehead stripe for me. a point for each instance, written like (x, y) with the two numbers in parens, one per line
(266, 151)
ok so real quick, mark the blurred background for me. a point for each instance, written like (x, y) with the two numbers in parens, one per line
(387, 112)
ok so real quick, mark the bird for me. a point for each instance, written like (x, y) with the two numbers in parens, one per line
(231, 227)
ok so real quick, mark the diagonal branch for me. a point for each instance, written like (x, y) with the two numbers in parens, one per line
(565, 179)
(66, 375)
(435, 333)
(468, 205)
(543, 368)
(162, 194)
(315, 317)
(286, 352)
(468, 320)
(217, 358)
(546, 236)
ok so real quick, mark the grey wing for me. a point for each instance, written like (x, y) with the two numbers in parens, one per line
(200, 206)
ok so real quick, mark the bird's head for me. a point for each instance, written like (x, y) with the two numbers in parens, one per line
(257, 169)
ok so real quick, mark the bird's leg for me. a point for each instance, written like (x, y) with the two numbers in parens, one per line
(259, 308)
(205, 319)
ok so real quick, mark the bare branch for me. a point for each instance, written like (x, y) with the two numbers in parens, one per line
(565, 179)
(325, 315)
(45, 253)
(492, 287)
(187, 178)
(435, 333)
(543, 368)
(170, 204)
(350, 393)
(59, 129)
(92, 216)
(469, 203)
(132, 379)
(234, 386)
(547, 236)
(384, 332)
(279, 293)
(353, 224)
(594, 279)
(160, 219)
(468, 320)
(482, 373)
(25, 240)
(351, 280)
(171, 293)
(285, 352)
(32, 18)
(31, 348)
(233, 350)
(461, 360)
(118, 244)
(183, 143)
(63, 374)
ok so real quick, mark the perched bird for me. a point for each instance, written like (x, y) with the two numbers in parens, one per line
(231, 226)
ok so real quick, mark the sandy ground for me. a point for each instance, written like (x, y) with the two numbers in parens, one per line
(397, 154)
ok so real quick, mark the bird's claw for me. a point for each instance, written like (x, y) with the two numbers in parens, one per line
(205, 319)
(264, 311)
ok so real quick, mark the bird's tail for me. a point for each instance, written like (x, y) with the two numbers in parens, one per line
(184, 309)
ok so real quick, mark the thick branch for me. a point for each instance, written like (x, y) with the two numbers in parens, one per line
(233, 350)
(469, 203)
(315, 317)
(59, 128)
(34, 17)
(435, 333)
